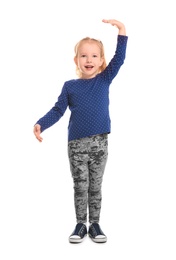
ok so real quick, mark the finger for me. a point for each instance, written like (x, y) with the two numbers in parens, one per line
(39, 138)
(112, 22)
(105, 21)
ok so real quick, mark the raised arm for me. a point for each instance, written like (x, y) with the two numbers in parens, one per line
(119, 25)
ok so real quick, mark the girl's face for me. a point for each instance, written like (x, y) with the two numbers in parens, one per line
(88, 59)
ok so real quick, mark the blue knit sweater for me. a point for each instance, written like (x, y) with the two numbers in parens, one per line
(88, 100)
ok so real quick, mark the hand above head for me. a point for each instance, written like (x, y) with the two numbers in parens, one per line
(117, 24)
(37, 132)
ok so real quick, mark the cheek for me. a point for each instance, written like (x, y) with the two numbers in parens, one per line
(101, 62)
(79, 64)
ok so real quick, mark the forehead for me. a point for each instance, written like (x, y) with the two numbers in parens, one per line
(89, 46)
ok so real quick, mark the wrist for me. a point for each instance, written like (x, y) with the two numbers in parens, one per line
(122, 30)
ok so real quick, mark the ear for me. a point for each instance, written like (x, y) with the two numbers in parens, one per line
(76, 61)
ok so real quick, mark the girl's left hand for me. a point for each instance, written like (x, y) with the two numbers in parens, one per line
(117, 24)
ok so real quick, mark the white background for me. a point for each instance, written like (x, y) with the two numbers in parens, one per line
(36, 190)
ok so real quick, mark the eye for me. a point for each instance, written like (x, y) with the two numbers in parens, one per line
(94, 56)
(83, 55)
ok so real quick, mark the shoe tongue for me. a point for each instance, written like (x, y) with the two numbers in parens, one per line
(97, 228)
(78, 226)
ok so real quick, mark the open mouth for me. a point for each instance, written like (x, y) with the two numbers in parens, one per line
(89, 67)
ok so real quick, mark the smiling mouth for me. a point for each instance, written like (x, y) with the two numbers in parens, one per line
(88, 67)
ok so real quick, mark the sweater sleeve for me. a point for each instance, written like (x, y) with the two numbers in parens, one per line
(118, 59)
(56, 112)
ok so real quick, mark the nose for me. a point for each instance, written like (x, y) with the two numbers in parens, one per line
(89, 60)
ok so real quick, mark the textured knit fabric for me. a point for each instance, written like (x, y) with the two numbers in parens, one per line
(88, 100)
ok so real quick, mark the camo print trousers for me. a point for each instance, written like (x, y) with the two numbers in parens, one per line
(87, 157)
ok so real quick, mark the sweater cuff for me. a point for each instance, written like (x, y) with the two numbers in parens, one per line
(122, 39)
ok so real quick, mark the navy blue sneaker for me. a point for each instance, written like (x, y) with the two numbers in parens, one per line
(96, 234)
(78, 234)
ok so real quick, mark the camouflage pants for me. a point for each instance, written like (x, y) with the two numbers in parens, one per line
(88, 158)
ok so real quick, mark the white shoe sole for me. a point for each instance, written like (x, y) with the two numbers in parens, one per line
(99, 240)
(76, 240)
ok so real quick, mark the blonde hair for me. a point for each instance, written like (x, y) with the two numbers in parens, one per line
(100, 45)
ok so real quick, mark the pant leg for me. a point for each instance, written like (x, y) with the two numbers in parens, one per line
(97, 162)
(78, 158)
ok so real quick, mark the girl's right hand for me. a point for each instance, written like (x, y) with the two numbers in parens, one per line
(37, 132)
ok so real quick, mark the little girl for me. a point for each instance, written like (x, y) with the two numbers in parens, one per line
(88, 100)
